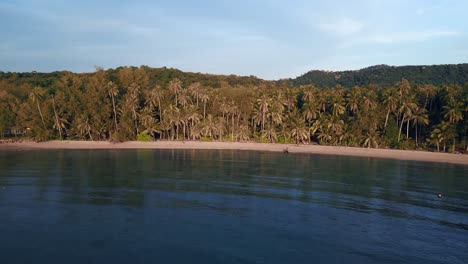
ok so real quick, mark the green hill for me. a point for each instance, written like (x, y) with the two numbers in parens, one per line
(384, 75)
(155, 76)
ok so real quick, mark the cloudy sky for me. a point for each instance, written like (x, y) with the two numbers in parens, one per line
(271, 39)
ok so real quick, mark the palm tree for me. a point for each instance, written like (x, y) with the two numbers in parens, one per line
(337, 107)
(113, 91)
(220, 127)
(297, 125)
(132, 103)
(419, 117)
(406, 110)
(442, 133)
(193, 118)
(174, 116)
(390, 102)
(353, 100)
(184, 98)
(84, 127)
(270, 133)
(429, 91)
(204, 97)
(195, 90)
(322, 99)
(404, 88)
(233, 112)
(453, 112)
(209, 126)
(36, 95)
(175, 86)
(59, 122)
(154, 97)
(263, 105)
(289, 99)
(371, 139)
(243, 132)
(309, 93)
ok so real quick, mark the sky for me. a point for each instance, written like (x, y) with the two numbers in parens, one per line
(271, 39)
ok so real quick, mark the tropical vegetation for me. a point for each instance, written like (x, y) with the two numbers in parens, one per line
(141, 103)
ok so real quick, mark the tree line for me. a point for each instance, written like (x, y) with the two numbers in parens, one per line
(387, 76)
(127, 104)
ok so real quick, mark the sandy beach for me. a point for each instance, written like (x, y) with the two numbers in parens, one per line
(291, 148)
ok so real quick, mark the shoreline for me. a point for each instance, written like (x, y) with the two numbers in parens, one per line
(272, 147)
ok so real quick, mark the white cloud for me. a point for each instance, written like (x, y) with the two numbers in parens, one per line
(343, 26)
(402, 37)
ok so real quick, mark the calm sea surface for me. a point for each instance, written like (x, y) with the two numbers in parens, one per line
(199, 206)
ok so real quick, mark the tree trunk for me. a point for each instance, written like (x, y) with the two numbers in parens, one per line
(204, 110)
(407, 129)
(40, 113)
(232, 129)
(136, 122)
(160, 110)
(183, 130)
(263, 121)
(386, 118)
(401, 127)
(57, 123)
(115, 113)
(416, 132)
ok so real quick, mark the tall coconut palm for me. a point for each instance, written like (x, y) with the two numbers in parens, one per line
(453, 112)
(112, 92)
(193, 118)
(263, 105)
(84, 127)
(289, 99)
(297, 126)
(419, 117)
(429, 91)
(406, 110)
(175, 86)
(204, 97)
(309, 94)
(442, 133)
(59, 123)
(390, 102)
(174, 115)
(154, 98)
(184, 98)
(209, 126)
(195, 90)
(337, 107)
(132, 103)
(36, 95)
(353, 99)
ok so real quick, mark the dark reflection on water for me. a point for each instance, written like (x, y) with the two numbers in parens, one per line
(196, 206)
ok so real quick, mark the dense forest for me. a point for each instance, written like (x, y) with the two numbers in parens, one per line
(142, 103)
(387, 76)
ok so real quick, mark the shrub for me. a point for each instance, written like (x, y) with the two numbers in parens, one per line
(144, 136)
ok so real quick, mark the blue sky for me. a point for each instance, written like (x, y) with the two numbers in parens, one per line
(270, 39)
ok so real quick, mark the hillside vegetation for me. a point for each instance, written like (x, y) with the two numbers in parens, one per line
(142, 103)
(385, 76)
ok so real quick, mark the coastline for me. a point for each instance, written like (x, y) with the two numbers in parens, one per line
(291, 148)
